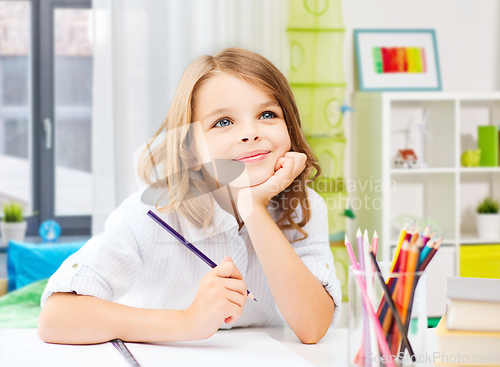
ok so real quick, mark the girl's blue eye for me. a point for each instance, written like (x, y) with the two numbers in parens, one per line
(222, 123)
(269, 113)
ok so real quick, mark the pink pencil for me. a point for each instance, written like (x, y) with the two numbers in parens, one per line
(375, 243)
(366, 300)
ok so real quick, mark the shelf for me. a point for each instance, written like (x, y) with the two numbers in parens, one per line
(480, 170)
(443, 193)
(473, 239)
(420, 171)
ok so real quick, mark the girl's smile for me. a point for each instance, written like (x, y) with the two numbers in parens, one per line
(251, 157)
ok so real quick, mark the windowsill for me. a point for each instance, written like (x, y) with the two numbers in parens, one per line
(38, 240)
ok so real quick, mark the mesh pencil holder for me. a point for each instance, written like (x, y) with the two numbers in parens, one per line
(319, 108)
(336, 203)
(315, 14)
(330, 155)
(411, 306)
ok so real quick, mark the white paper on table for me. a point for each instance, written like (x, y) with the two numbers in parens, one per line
(240, 349)
(22, 347)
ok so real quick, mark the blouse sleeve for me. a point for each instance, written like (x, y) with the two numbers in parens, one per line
(105, 267)
(315, 251)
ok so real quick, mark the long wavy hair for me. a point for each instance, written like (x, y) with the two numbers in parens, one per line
(174, 156)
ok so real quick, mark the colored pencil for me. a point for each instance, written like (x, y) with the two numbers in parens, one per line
(125, 352)
(411, 267)
(402, 236)
(369, 274)
(388, 297)
(375, 243)
(427, 233)
(431, 254)
(366, 301)
(421, 268)
(366, 331)
(188, 244)
(424, 253)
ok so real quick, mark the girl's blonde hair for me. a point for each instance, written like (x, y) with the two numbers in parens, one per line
(174, 156)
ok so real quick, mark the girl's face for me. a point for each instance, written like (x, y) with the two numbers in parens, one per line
(240, 122)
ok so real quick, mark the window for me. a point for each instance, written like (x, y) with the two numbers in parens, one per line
(46, 110)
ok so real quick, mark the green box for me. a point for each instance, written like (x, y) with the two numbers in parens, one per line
(325, 14)
(487, 142)
(319, 108)
(316, 57)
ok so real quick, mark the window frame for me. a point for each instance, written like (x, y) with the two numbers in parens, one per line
(42, 107)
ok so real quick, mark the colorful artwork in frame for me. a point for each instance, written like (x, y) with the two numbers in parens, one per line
(397, 60)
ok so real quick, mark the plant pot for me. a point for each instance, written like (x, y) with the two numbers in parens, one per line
(12, 231)
(488, 225)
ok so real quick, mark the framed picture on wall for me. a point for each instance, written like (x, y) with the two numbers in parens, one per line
(397, 60)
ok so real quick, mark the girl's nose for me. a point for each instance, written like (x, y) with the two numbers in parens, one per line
(250, 137)
(250, 133)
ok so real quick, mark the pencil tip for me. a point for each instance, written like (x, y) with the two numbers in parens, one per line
(346, 240)
(358, 233)
(375, 234)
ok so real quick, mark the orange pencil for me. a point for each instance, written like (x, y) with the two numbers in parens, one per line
(411, 266)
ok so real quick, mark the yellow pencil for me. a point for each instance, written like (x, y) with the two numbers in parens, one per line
(402, 236)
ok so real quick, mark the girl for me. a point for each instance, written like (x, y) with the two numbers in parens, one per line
(137, 283)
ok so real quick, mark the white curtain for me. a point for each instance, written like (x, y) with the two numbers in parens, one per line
(141, 48)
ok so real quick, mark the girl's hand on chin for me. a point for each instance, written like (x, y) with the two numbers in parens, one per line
(287, 169)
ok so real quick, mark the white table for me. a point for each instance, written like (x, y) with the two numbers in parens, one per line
(330, 351)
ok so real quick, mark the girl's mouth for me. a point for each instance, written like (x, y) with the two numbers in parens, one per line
(254, 158)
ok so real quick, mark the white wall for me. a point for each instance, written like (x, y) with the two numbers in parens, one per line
(467, 32)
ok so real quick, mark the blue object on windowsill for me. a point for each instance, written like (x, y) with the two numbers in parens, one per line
(29, 262)
(49, 231)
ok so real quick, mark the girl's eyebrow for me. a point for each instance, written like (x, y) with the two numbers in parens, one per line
(220, 110)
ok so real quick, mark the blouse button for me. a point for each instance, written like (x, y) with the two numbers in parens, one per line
(75, 265)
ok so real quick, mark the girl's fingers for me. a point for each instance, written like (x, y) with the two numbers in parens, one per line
(227, 269)
(236, 298)
(235, 285)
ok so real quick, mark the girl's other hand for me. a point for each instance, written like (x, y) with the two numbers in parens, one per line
(287, 169)
(220, 298)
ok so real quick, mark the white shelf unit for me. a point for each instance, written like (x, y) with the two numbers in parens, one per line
(443, 190)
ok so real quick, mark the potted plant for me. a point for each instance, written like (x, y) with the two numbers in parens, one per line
(488, 219)
(13, 225)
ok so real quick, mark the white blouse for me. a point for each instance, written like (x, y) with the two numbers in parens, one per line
(137, 263)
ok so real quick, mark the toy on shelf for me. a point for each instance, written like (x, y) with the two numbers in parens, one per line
(405, 158)
(423, 134)
(471, 158)
(423, 131)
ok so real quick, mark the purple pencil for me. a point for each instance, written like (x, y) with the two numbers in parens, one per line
(188, 244)
(366, 331)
